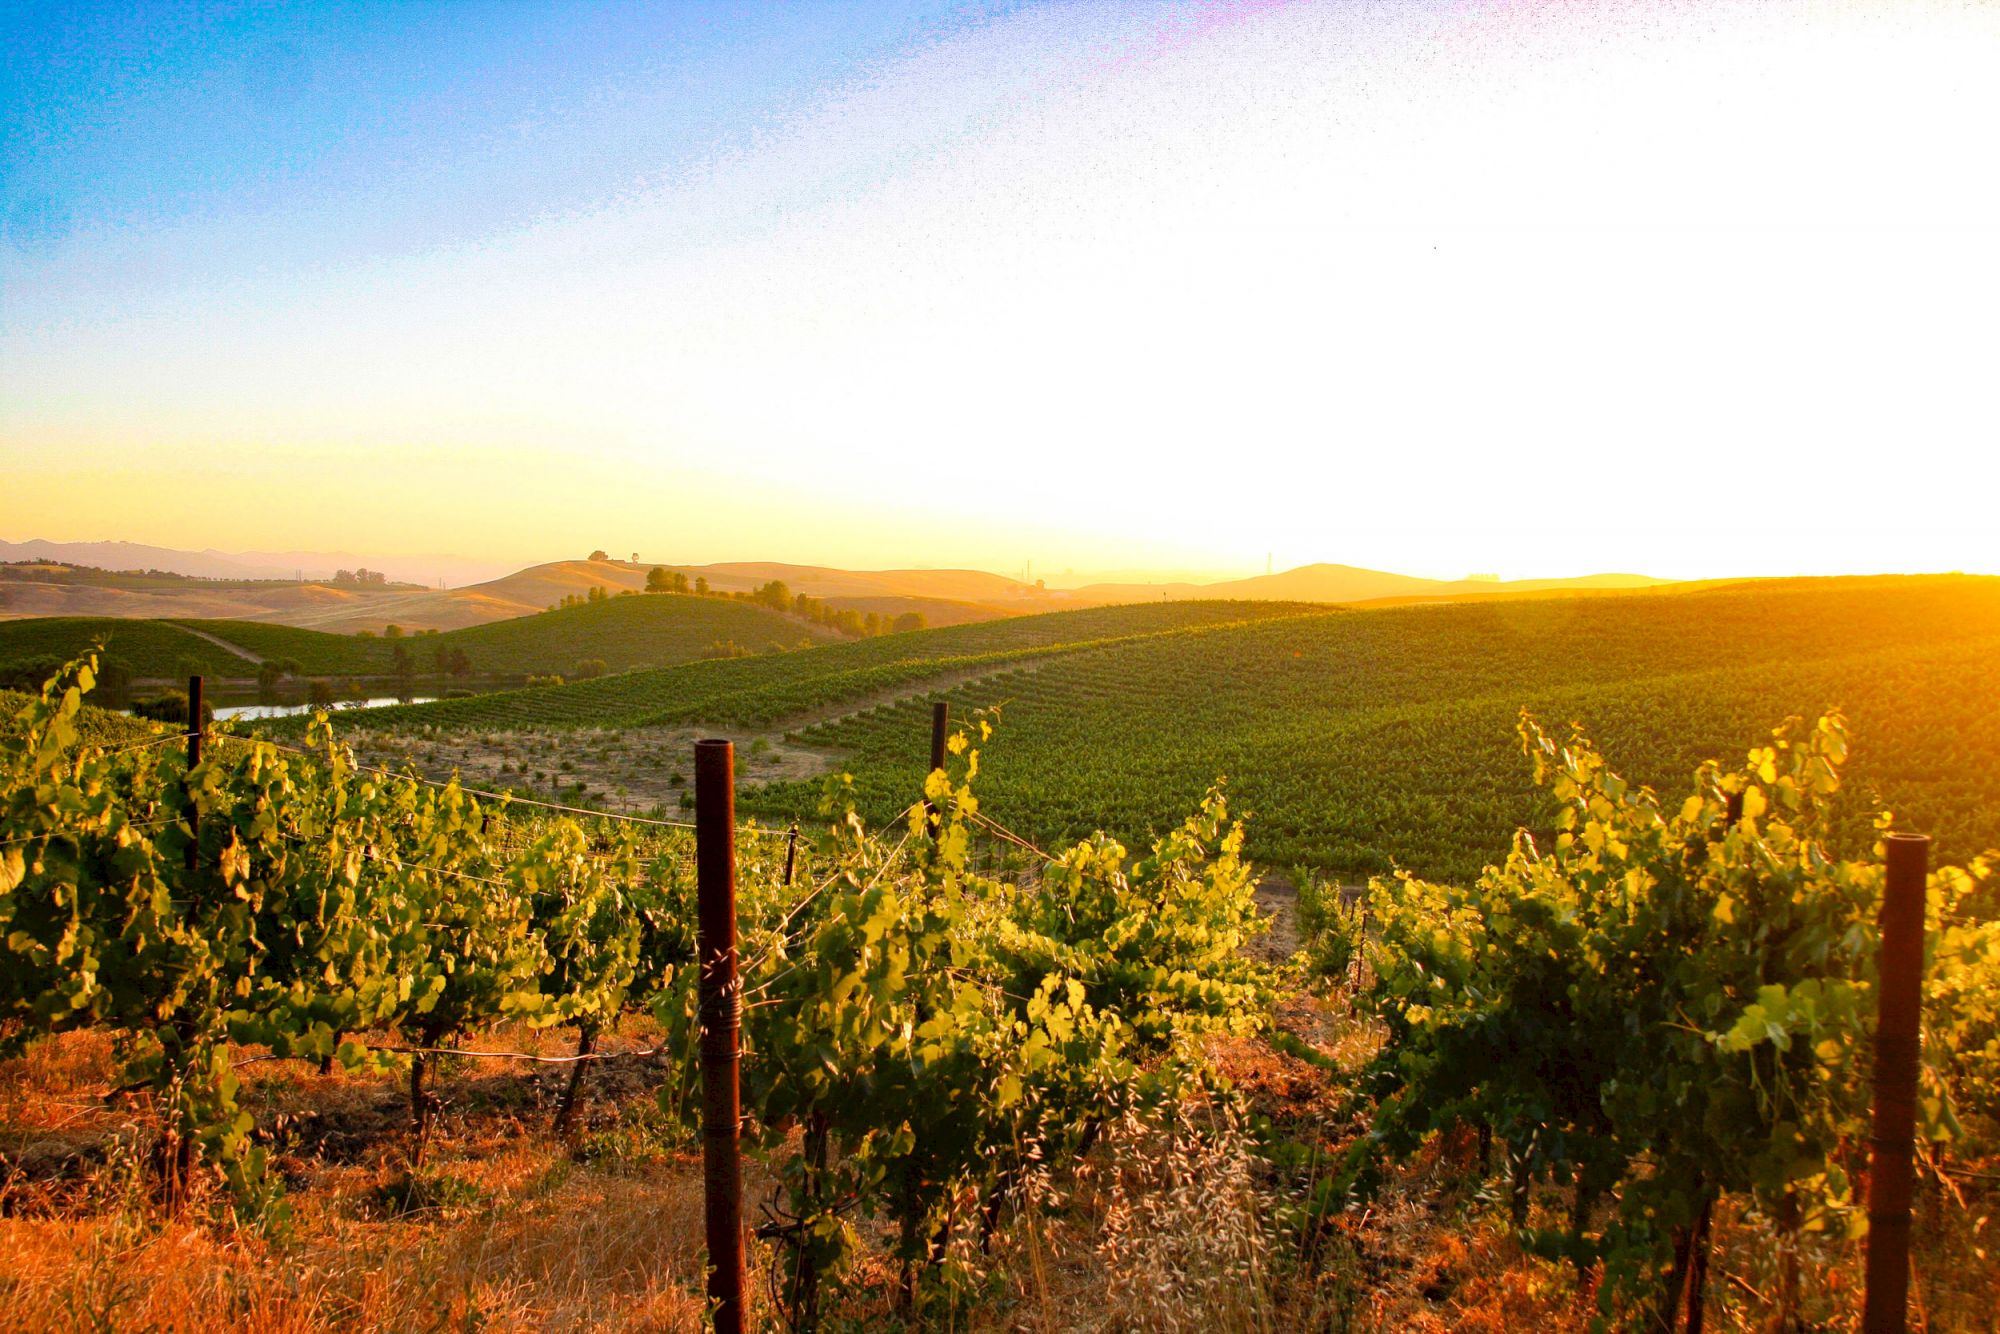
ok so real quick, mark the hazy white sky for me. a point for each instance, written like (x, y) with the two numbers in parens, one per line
(1531, 288)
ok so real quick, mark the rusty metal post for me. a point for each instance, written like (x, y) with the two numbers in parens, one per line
(1704, 1219)
(1885, 1307)
(940, 723)
(721, 1019)
(194, 758)
(791, 851)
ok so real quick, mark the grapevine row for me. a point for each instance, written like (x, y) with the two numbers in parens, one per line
(931, 1028)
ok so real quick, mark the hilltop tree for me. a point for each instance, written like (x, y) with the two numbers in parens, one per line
(774, 595)
(599, 555)
(659, 579)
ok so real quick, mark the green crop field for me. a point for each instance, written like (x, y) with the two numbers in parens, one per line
(1362, 739)
(315, 651)
(624, 633)
(653, 630)
(149, 648)
(763, 690)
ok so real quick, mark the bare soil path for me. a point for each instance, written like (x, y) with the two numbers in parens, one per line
(636, 769)
(219, 642)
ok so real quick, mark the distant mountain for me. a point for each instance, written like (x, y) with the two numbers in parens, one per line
(212, 564)
(944, 597)
(1349, 583)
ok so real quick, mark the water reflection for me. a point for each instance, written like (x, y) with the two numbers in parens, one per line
(251, 711)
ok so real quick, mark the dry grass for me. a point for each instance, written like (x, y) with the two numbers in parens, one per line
(1186, 1236)
(1168, 1225)
(504, 1229)
(589, 1254)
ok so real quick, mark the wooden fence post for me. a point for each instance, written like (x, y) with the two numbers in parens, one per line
(193, 758)
(1898, 1033)
(721, 1003)
(1701, 1230)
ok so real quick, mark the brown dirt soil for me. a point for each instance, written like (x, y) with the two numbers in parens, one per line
(506, 1228)
(641, 769)
(636, 769)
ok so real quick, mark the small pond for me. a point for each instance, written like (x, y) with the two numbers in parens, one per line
(224, 712)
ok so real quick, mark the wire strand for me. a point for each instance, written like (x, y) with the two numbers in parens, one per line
(1000, 830)
(168, 739)
(507, 797)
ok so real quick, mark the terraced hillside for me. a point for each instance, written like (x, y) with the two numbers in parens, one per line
(625, 632)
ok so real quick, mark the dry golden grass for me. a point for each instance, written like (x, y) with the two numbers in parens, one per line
(599, 1253)
(507, 1230)
(1160, 1229)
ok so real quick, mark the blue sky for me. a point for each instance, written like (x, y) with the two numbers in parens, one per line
(406, 125)
(1689, 287)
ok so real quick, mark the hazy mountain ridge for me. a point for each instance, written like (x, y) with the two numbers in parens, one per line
(1350, 583)
(942, 596)
(213, 564)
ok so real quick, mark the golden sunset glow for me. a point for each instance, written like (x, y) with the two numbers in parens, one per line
(1689, 290)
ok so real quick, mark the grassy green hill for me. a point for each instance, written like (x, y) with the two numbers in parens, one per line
(653, 630)
(768, 689)
(625, 632)
(1365, 738)
(150, 648)
(316, 652)
(1388, 736)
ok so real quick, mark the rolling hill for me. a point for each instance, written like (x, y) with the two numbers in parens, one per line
(289, 566)
(227, 589)
(1361, 738)
(767, 688)
(945, 597)
(1349, 583)
(625, 632)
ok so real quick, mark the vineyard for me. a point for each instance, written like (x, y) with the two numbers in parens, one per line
(1366, 740)
(767, 689)
(625, 633)
(151, 648)
(285, 900)
(1629, 1047)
